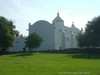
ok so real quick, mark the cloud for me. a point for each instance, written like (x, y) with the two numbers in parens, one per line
(17, 3)
(23, 13)
(19, 13)
(79, 21)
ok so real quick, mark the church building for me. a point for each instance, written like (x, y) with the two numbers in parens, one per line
(55, 35)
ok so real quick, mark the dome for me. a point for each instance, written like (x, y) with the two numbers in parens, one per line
(58, 18)
(40, 22)
(73, 28)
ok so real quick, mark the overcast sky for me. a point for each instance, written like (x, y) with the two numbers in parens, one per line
(24, 11)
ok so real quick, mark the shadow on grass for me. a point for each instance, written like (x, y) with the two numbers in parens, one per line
(85, 56)
(23, 54)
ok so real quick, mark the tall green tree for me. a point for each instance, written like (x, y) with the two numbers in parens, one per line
(92, 32)
(7, 33)
(33, 41)
(91, 36)
(81, 39)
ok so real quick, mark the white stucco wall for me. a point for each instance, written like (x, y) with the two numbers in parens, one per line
(58, 35)
(46, 31)
(58, 23)
(19, 44)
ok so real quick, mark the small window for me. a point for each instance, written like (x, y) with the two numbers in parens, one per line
(17, 42)
(60, 48)
(60, 30)
(67, 39)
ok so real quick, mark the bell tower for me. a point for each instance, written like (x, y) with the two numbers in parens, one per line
(58, 25)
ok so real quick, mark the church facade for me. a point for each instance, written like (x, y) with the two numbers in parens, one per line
(55, 35)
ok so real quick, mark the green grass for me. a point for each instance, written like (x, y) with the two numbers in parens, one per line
(49, 64)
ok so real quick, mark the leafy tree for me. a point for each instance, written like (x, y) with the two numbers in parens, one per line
(7, 33)
(33, 41)
(92, 33)
(81, 39)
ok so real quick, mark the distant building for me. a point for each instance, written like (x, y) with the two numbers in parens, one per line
(55, 36)
(19, 44)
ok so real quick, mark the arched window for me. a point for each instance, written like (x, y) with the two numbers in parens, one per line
(17, 41)
(67, 39)
(60, 30)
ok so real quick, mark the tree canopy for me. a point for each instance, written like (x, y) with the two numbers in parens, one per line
(92, 32)
(81, 39)
(7, 33)
(91, 36)
(33, 41)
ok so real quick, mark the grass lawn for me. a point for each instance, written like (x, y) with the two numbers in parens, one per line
(49, 64)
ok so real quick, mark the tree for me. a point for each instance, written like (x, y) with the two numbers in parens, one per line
(81, 39)
(7, 33)
(92, 32)
(91, 35)
(33, 41)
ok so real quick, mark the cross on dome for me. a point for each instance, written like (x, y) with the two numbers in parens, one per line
(58, 14)
(73, 24)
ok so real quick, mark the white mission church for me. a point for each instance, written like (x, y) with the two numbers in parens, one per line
(55, 35)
